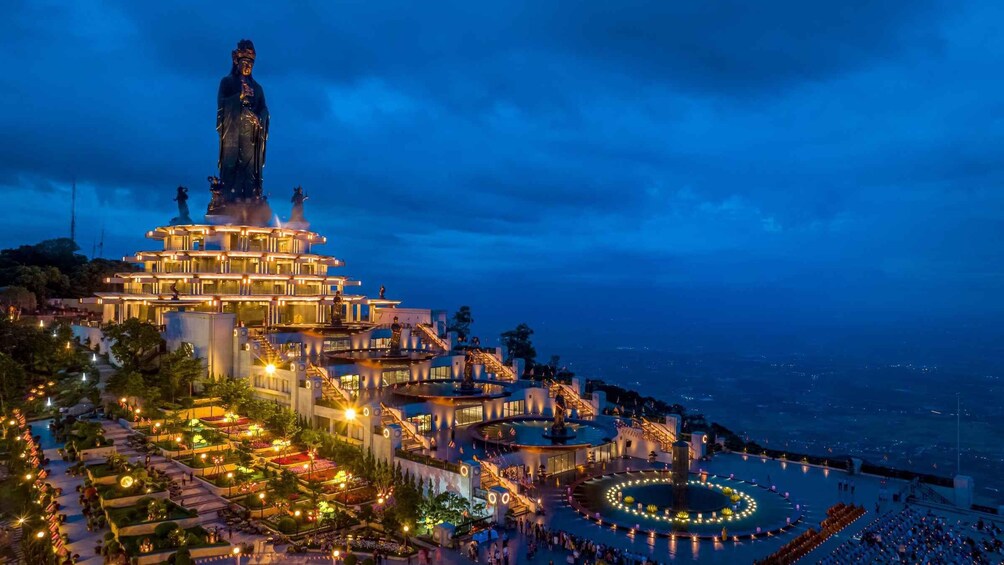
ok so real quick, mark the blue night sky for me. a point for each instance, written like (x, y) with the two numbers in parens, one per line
(680, 174)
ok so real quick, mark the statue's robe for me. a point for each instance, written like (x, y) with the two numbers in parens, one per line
(242, 141)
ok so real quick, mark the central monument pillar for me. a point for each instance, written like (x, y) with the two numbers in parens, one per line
(681, 472)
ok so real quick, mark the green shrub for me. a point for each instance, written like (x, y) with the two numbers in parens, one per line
(162, 530)
(286, 525)
(368, 561)
(350, 559)
(183, 557)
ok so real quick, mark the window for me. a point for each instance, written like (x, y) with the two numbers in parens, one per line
(349, 382)
(440, 373)
(561, 463)
(470, 414)
(422, 423)
(337, 344)
(514, 408)
(379, 343)
(395, 376)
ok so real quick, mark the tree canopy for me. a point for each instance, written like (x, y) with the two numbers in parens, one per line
(54, 268)
(461, 323)
(518, 345)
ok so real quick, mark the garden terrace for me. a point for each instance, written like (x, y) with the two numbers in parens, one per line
(139, 514)
(241, 481)
(367, 541)
(330, 473)
(116, 490)
(206, 460)
(311, 519)
(165, 539)
(254, 504)
(350, 496)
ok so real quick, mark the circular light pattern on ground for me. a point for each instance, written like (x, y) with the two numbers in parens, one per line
(718, 507)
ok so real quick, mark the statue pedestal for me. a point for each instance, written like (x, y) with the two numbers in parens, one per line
(241, 214)
(297, 225)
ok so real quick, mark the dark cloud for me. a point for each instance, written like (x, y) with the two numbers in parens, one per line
(834, 154)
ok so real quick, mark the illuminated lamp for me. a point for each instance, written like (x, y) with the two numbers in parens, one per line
(270, 369)
(350, 414)
(126, 481)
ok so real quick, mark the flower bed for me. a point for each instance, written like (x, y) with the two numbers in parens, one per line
(321, 468)
(222, 422)
(294, 459)
(200, 462)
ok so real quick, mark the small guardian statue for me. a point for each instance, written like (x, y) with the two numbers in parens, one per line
(383, 290)
(560, 411)
(296, 215)
(468, 382)
(395, 337)
(216, 202)
(183, 215)
(336, 309)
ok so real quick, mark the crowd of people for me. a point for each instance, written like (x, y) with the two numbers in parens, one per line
(911, 536)
(837, 518)
(578, 550)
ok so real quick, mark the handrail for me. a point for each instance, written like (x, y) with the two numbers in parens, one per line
(658, 432)
(271, 354)
(318, 371)
(512, 487)
(585, 408)
(493, 365)
(407, 427)
(428, 333)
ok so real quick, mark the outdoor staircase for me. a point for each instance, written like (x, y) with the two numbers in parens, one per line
(194, 495)
(269, 352)
(330, 388)
(520, 503)
(584, 408)
(657, 432)
(411, 440)
(926, 493)
(493, 365)
(428, 335)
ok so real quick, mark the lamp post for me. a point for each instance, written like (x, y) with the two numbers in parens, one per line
(237, 555)
(335, 554)
(406, 538)
(344, 497)
(230, 485)
(297, 515)
(261, 498)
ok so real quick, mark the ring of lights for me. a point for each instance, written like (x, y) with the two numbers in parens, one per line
(602, 503)
(746, 506)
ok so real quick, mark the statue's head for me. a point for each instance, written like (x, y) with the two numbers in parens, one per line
(243, 57)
